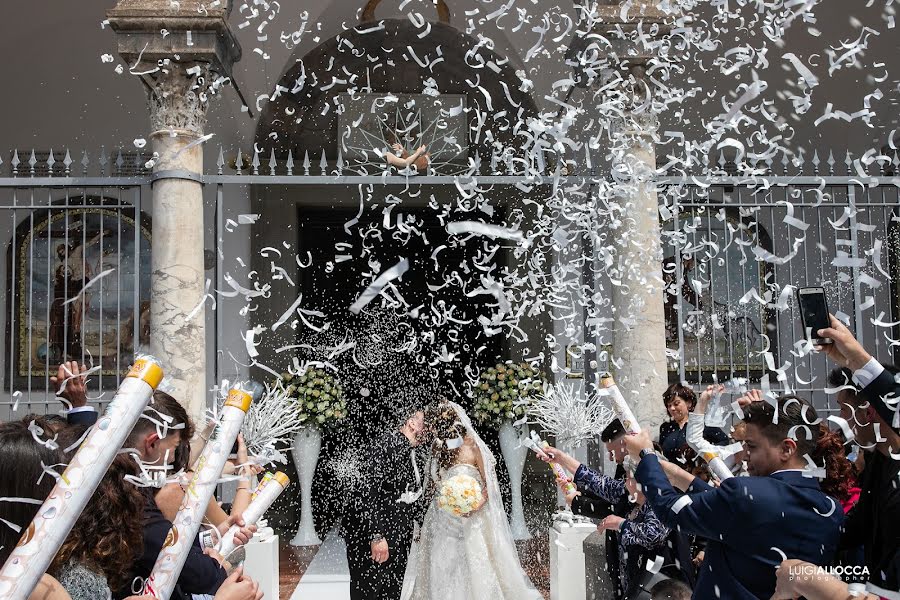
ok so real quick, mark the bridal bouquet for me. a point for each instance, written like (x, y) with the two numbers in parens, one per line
(505, 391)
(459, 495)
(319, 396)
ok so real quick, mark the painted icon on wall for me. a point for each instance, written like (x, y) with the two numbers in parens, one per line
(81, 282)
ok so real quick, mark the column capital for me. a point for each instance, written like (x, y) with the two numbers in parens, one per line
(183, 51)
(179, 97)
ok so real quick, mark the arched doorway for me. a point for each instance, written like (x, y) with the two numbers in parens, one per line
(445, 85)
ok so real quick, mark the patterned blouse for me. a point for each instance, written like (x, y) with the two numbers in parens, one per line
(642, 530)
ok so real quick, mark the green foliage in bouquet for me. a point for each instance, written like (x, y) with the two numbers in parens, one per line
(319, 396)
(505, 391)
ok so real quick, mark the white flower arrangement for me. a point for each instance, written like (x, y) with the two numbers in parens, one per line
(562, 412)
(504, 392)
(270, 424)
(319, 397)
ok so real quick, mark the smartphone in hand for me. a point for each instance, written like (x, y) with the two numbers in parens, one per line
(814, 313)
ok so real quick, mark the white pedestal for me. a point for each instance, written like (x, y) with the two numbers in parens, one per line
(262, 565)
(307, 444)
(567, 560)
(328, 575)
(514, 455)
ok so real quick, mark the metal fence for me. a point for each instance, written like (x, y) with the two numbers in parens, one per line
(736, 254)
(734, 246)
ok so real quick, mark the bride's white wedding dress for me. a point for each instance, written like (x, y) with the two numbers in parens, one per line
(468, 558)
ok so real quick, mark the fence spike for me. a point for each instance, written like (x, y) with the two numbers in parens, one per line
(85, 161)
(50, 162)
(31, 162)
(239, 162)
(340, 161)
(120, 162)
(815, 161)
(15, 161)
(67, 162)
(494, 161)
(104, 160)
(848, 160)
(306, 162)
(290, 162)
(255, 162)
(272, 163)
(830, 162)
(323, 163)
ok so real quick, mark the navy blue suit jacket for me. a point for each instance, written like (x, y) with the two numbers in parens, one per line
(744, 521)
(86, 417)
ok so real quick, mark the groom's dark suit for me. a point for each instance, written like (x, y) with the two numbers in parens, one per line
(376, 510)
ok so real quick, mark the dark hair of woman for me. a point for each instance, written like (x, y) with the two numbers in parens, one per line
(840, 474)
(22, 476)
(681, 391)
(445, 425)
(109, 531)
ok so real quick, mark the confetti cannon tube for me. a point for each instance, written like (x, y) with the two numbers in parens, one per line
(560, 473)
(539, 445)
(265, 494)
(717, 466)
(74, 488)
(207, 470)
(710, 453)
(619, 405)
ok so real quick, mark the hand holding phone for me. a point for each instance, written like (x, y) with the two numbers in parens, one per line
(814, 313)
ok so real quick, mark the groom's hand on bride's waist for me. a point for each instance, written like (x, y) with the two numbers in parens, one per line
(380, 551)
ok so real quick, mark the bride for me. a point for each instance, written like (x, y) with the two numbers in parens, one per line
(473, 556)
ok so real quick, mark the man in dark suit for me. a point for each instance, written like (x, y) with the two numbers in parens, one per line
(878, 386)
(751, 523)
(379, 523)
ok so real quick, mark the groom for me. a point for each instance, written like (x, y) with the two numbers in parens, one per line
(379, 523)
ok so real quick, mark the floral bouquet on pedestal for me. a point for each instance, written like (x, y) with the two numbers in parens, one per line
(319, 396)
(504, 393)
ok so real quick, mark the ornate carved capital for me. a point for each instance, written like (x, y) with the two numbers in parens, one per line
(179, 97)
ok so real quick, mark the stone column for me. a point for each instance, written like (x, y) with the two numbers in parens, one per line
(639, 328)
(639, 338)
(183, 52)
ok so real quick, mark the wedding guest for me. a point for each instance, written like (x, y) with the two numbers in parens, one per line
(670, 589)
(22, 476)
(594, 507)
(797, 518)
(641, 534)
(24, 454)
(96, 556)
(680, 400)
(876, 383)
(874, 522)
(170, 496)
(168, 448)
